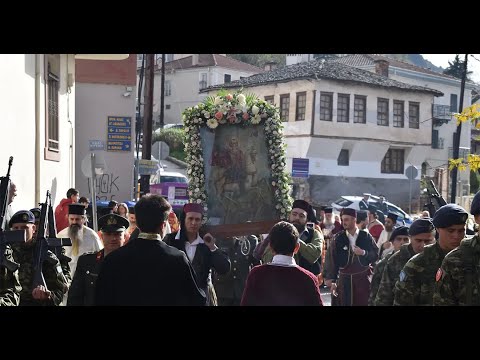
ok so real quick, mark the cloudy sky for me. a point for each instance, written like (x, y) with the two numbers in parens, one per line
(443, 59)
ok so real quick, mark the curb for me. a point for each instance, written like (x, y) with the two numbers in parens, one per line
(177, 162)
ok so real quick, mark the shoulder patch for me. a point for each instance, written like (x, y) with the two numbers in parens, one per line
(439, 274)
(403, 276)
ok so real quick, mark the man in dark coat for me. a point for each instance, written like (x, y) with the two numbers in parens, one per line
(82, 290)
(204, 255)
(147, 271)
(351, 255)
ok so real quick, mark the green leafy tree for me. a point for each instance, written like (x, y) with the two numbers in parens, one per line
(455, 68)
(325, 56)
(474, 183)
(260, 59)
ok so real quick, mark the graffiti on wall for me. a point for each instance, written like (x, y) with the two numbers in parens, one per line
(105, 186)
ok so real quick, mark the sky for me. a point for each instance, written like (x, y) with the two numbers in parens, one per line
(443, 59)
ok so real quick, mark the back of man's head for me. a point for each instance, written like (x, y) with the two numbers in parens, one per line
(151, 211)
(72, 192)
(283, 238)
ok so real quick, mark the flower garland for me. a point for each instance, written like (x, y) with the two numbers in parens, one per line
(238, 109)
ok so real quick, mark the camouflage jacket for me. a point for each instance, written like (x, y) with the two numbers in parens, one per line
(377, 276)
(52, 272)
(9, 284)
(391, 273)
(450, 288)
(417, 279)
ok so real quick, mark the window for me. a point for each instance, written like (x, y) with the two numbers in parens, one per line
(203, 81)
(167, 107)
(301, 106)
(52, 83)
(284, 106)
(360, 109)
(413, 115)
(398, 112)
(326, 102)
(168, 57)
(382, 112)
(168, 88)
(343, 158)
(453, 103)
(269, 99)
(393, 162)
(343, 108)
(227, 78)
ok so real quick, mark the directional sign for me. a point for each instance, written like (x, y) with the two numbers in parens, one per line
(96, 145)
(147, 167)
(119, 134)
(300, 167)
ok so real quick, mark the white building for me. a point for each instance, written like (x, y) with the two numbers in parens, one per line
(359, 130)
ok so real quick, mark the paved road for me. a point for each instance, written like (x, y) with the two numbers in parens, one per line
(170, 166)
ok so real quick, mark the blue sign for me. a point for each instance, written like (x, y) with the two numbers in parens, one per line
(119, 133)
(96, 145)
(147, 167)
(300, 167)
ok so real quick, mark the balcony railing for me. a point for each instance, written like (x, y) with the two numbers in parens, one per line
(441, 114)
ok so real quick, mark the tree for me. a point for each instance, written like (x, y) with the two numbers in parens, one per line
(455, 68)
(325, 56)
(472, 114)
(260, 59)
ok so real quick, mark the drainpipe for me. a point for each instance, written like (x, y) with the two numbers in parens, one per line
(38, 83)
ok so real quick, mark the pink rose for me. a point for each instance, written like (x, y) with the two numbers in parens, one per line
(229, 97)
(219, 115)
(245, 116)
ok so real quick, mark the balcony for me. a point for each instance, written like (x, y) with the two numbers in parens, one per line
(441, 114)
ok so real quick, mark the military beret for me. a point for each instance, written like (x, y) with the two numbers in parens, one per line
(301, 204)
(392, 216)
(448, 215)
(348, 211)
(475, 207)
(399, 231)
(328, 210)
(113, 223)
(36, 212)
(76, 209)
(362, 215)
(421, 226)
(22, 216)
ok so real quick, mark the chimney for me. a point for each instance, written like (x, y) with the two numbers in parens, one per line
(381, 67)
(194, 59)
(270, 65)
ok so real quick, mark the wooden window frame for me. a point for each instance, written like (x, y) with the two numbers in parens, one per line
(270, 99)
(343, 114)
(52, 109)
(383, 112)
(326, 106)
(416, 123)
(398, 123)
(393, 162)
(304, 106)
(363, 118)
(284, 110)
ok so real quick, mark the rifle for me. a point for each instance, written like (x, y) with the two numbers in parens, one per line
(52, 234)
(42, 245)
(7, 237)
(434, 195)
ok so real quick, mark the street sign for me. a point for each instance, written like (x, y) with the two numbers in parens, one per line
(100, 165)
(300, 167)
(119, 133)
(162, 149)
(411, 172)
(147, 167)
(96, 145)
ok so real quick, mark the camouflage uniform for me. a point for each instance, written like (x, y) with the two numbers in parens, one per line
(376, 278)
(450, 288)
(391, 273)
(417, 279)
(9, 284)
(53, 273)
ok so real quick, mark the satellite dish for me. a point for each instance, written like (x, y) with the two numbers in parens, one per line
(100, 164)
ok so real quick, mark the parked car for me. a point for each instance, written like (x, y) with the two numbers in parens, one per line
(172, 185)
(353, 203)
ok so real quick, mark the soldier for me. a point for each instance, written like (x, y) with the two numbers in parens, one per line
(36, 212)
(398, 238)
(82, 291)
(9, 283)
(457, 279)
(229, 287)
(349, 260)
(417, 279)
(421, 232)
(203, 253)
(147, 271)
(51, 268)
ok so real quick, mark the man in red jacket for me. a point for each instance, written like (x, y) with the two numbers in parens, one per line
(61, 211)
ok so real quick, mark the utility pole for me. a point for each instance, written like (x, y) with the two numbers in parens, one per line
(456, 138)
(138, 127)
(162, 93)
(147, 120)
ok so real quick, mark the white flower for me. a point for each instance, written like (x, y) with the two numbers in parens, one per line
(199, 201)
(274, 183)
(206, 114)
(212, 123)
(256, 119)
(255, 109)
(184, 118)
(196, 107)
(197, 190)
(218, 101)
(241, 100)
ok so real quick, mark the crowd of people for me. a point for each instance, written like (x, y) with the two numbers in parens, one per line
(145, 256)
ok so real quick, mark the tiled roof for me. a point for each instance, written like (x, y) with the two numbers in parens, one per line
(322, 70)
(205, 60)
(368, 60)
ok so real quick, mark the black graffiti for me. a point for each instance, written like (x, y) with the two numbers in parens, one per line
(105, 184)
(105, 198)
